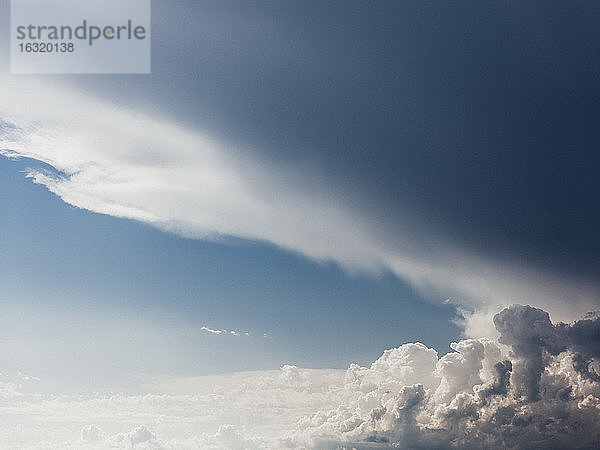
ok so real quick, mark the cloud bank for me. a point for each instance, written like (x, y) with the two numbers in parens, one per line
(138, 165)
(536, 386)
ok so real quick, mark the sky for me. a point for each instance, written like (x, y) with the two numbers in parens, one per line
(295, 188)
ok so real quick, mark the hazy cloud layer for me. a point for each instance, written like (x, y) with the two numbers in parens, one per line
(537, 386)
(141, 166)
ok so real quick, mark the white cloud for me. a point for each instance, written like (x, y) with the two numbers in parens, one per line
(26, 377)
(537, 387)
(91, 433)
(213, 331)
(142, 166)
(240, 410)
(217, 331)
(533, 393)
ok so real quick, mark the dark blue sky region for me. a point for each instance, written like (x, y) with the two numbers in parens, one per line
(475, 119)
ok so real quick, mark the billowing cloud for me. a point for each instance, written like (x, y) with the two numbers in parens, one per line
(536, 386)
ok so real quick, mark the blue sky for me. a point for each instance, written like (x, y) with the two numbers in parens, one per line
(195, 257)
(95, 275)
(332, 178)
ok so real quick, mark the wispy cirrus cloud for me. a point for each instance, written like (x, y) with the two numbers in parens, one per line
(142, 166)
